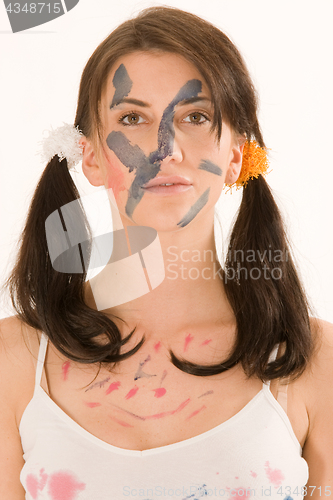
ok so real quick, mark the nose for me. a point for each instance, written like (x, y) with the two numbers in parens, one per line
(175, 153)
(169, 147)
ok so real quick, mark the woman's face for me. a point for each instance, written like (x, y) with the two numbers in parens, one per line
(159, 155)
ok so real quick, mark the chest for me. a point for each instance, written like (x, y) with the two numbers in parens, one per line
(145, 402)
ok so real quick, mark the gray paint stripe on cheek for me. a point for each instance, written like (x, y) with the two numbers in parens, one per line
(122, 83)
(209, 166)
(131, 156)
(195, 209)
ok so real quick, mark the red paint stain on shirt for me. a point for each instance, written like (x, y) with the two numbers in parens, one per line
(65, 368)
(188, 339)
(112, 387)
(240, 493)
(157, 346)
(91, 404)
(159, 392)
(132, 392)
(196, 412)
(205, 342)
(253, 474)
(63, 485)
(34, 484)
(274, 476)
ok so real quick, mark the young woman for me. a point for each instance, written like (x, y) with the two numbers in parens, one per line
(212, 382)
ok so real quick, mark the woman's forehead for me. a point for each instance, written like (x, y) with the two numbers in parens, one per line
(157, 71)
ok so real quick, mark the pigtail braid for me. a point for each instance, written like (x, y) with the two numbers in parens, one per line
(264, 290)
(265, 293)
(52, 301)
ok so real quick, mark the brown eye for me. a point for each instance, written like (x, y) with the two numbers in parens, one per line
(196, 118)
(131, 119)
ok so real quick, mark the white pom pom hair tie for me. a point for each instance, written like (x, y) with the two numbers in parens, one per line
(65, 142)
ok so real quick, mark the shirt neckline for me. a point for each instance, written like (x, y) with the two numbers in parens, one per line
(151, 451)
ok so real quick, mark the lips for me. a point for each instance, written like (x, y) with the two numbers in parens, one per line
(167, 181)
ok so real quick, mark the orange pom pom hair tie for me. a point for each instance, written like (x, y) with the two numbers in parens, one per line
(254, 163)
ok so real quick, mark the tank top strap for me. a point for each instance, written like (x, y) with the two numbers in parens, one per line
(281, 396)
(272, 358)
(41, 359)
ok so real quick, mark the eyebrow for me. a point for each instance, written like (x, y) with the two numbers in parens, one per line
(192, 100)
(130, 100)
(143, 104)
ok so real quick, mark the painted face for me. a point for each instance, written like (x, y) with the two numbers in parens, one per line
(160, 157)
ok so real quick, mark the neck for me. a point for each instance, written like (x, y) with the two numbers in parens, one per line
(192, 292)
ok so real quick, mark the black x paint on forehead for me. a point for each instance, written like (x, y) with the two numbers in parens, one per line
(132, 156)
(122, 83)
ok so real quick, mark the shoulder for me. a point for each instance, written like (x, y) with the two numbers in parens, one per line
(18, 354)
(318, 382)
(17, 349)
(318, 376)
(320, 367)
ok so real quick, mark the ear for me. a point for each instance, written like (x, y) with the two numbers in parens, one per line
(236, 158)
(90, 164)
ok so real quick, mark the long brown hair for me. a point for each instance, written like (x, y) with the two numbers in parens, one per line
(267, 311)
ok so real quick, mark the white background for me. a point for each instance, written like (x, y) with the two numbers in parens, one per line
(287, 45)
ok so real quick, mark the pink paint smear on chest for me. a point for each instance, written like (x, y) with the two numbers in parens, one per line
(65, 368)
(168, 413)
(274, 476)
(159, 392)
(112, 387)
(205, 342)
(157, 346)
(121, 422)
(91, 404)
(196, 412)
(132, 392)
(188, 339)
(63, 485)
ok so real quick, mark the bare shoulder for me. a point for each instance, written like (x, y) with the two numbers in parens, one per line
(320, 369)
(318, 379)
(18, 352)
(318, 375)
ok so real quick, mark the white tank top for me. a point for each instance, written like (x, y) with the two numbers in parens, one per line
(254, 454)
